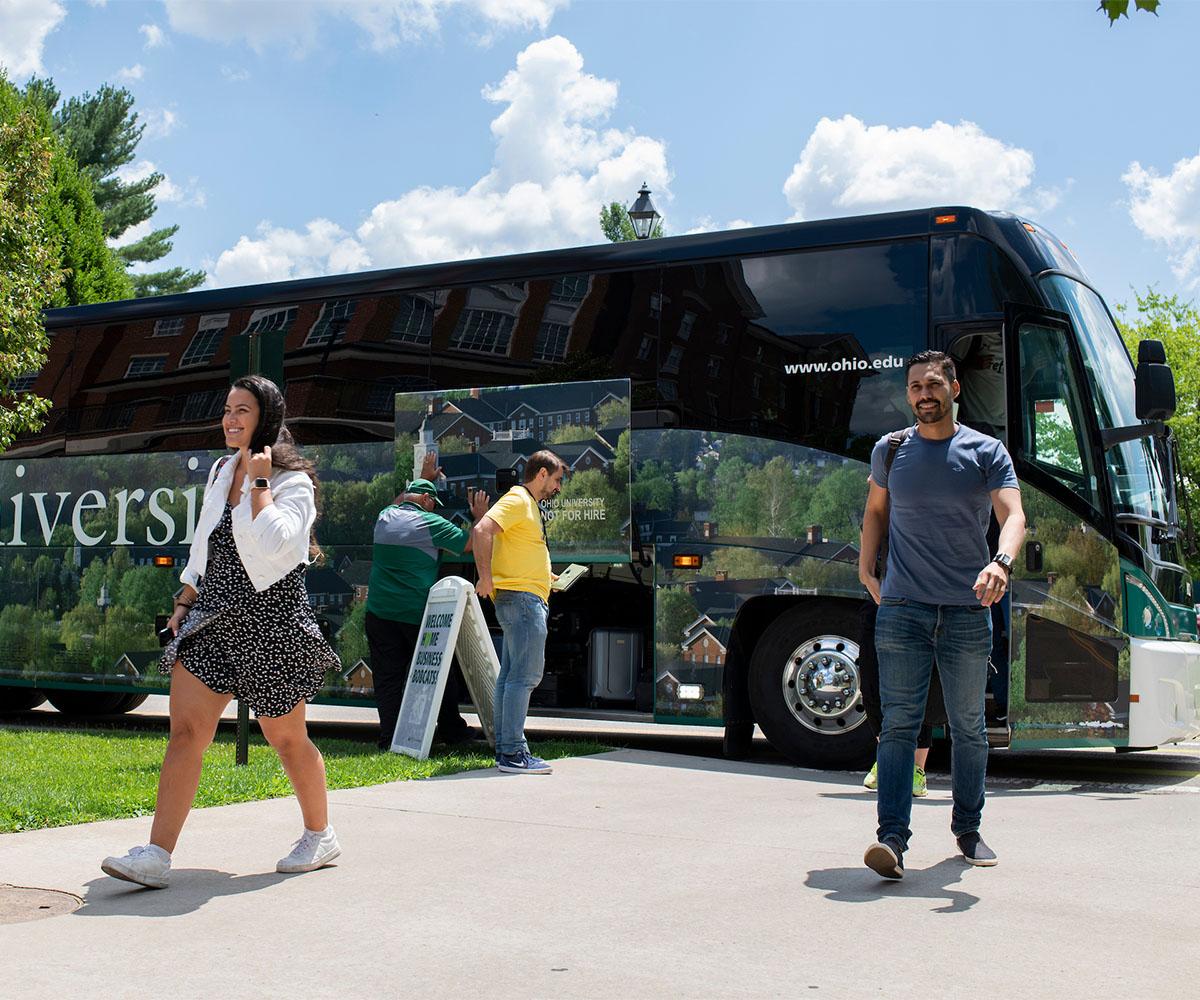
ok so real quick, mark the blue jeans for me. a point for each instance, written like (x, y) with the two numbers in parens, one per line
(523, 617)
(909, 637)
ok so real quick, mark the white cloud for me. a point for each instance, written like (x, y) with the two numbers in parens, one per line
(135, 72)
(384, 23)
(155, 36)
(278, 254)
(1167, 210)
(554, 166)
(235, 75)
(160, 122)
(848, 167)
(707, 224)
(167, 191)
(24, 25)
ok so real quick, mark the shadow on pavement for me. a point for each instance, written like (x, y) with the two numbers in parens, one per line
(190, 889)
(860, 885)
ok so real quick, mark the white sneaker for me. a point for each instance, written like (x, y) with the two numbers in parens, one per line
(312, 851)
(149, 866)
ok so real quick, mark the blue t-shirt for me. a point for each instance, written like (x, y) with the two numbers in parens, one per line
(939, 501)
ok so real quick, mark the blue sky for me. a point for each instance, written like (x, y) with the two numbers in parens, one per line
(306, 138)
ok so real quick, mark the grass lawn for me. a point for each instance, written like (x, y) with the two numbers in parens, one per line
(56, 777)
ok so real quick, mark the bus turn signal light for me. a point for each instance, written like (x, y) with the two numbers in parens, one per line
(688, 562)
(164, 560)
(944, 220)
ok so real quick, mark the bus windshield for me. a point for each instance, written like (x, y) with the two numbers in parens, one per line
(1133, 465)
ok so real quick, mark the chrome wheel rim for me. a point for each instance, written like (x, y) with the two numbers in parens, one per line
(822, 687)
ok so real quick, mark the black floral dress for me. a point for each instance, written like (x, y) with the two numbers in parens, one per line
(264, 647)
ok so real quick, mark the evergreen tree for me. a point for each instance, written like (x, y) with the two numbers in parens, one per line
(102, 133)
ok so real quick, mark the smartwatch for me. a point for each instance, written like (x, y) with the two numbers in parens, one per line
(1004, 561)
(261, 483)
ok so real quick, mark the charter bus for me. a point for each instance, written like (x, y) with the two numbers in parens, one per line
(716, 398)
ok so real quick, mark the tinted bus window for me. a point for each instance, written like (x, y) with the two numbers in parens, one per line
(347, 358)
(150, 385)
(970, 278)
(566, 329)
(808, 347)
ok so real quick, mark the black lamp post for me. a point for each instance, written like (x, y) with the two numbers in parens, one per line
(643, 215)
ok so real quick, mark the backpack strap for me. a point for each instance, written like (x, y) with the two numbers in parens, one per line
(895, 440)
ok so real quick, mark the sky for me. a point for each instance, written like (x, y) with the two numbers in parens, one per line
(305, 138)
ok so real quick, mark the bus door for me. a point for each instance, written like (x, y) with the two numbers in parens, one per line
(1069, 677)
(978, 352)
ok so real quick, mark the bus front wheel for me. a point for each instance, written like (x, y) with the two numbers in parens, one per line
(806, 691)
(20, 699)
(94, 702)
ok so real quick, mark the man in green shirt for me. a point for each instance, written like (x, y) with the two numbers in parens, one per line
(406, 555)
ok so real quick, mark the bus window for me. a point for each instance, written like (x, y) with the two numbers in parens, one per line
(970, 278)
(809, 347)
(348, 357)
(1053, 419)
(151, 385)
(566, 329)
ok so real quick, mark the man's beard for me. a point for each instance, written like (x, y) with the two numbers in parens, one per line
(931, 416)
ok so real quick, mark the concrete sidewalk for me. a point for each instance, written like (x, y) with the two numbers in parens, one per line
(630, 874)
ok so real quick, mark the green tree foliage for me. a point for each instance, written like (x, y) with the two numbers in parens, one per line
(352, 637)
(590, 484)
(568, 434)
(90, 271)
(1114, 10)
(26, 635)
(620, 467)
(674, 611)
(452, 444)
(1177, 325)
(614, 412)
(101, 131)
(616, 226)
(29, 271)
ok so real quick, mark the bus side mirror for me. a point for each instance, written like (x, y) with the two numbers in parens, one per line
(1154, 383)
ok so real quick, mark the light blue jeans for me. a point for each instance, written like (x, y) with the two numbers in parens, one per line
(909, 637)
(523, 617)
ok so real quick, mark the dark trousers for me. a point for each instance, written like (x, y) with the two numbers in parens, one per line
(392, 645)
(868, 673)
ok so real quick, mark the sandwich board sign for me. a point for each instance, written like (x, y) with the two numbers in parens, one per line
(452, 624)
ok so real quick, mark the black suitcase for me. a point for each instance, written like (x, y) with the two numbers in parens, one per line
(614, 661)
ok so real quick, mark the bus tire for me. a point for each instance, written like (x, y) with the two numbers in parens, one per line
(805, 689)
(20, 699)
(81, 703)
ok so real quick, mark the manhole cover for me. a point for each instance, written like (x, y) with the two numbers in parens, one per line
(19, 904)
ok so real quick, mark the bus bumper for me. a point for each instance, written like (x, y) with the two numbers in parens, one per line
(1164, 692)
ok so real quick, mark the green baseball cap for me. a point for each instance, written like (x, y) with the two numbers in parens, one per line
(426, 487)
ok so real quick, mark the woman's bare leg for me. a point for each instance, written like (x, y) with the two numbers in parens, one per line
(921, 756)
(195, 712)
(303, 763)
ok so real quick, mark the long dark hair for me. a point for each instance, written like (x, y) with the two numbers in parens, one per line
(272, 431)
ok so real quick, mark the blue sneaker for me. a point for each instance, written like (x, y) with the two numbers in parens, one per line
(523, 762)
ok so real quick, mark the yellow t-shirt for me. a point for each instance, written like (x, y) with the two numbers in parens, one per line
(520, 558)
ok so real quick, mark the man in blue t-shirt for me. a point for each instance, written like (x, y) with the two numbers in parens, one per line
(933, 505)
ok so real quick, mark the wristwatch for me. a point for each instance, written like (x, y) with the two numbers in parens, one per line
(1004, 561)
(261, 483)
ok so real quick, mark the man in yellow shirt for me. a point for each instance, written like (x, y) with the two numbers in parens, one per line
(509, 545)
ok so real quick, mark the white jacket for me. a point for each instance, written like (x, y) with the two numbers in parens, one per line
(270, 545)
